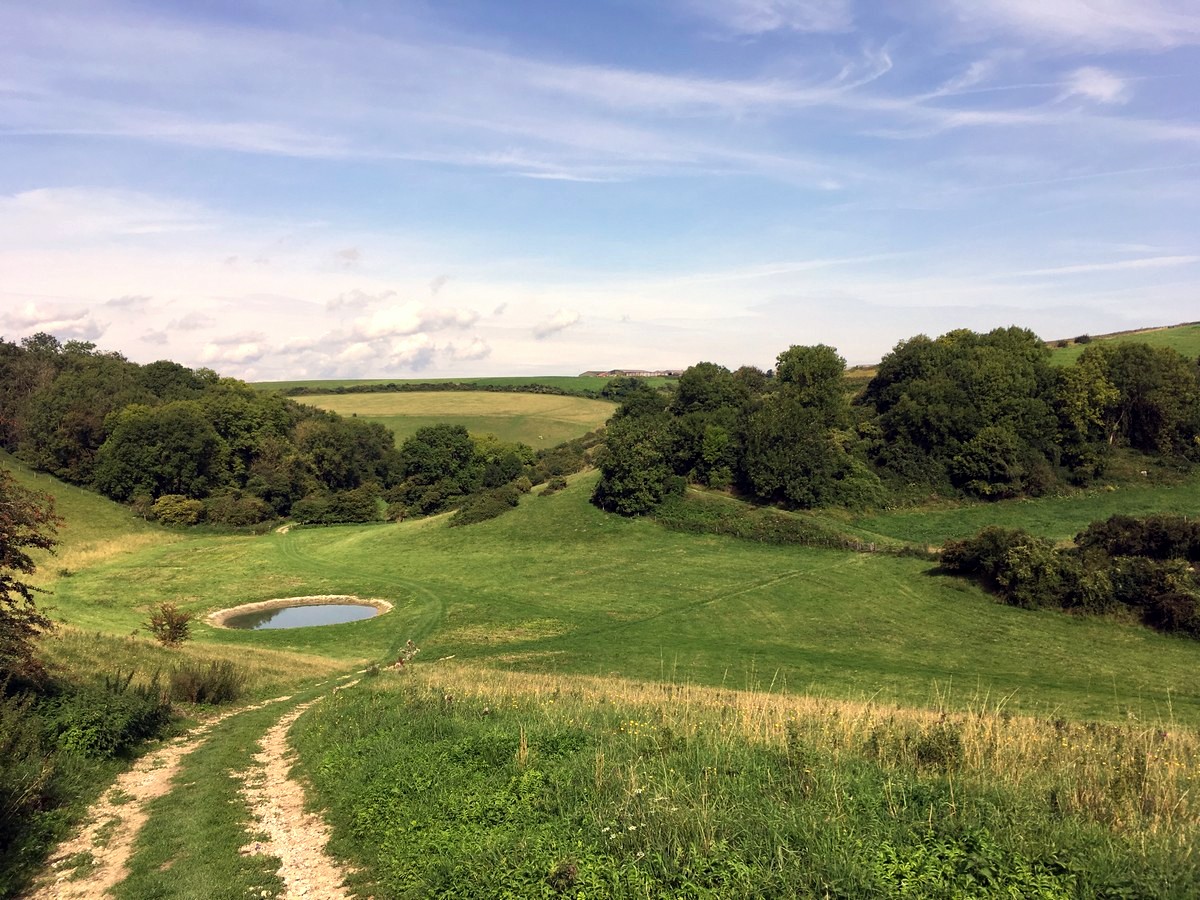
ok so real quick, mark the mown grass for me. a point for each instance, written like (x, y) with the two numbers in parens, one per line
(1184, 338)
(539, 420)
(1060, 518)
(558, 586)
(517, 785)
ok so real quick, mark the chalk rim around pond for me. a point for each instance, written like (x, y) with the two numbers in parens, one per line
(220, 617)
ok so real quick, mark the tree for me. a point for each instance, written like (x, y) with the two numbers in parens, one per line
(169, 449)
(27, 522)
(635, 473)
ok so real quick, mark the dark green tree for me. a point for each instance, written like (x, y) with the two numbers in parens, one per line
(27, 522)
(635, 472)
(168, 449)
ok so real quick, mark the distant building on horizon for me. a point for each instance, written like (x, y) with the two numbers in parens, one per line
(633, 373)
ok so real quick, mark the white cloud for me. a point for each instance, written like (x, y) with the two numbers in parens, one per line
(1097, 84)
(1099, 24)
(409, 319)
(130, 302)
(217, 354)
(192, 321)
(155, 338)
(761, 16)
(63, 322)
(475, 350)
(64, 213)
(357, 299)
(560, 321)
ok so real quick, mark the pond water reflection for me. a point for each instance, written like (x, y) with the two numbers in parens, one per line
(302, 616)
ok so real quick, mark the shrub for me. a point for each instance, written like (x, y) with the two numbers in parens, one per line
(554, 485)
(27, 767)
(237, 509)
(176, 509)
(106, 720)
(169, 624)
(487, 505)
(220, 681)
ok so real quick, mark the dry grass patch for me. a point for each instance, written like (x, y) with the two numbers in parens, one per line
(75, 650)
(1137, 777)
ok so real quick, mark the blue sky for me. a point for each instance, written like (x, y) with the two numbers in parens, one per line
(313, 188)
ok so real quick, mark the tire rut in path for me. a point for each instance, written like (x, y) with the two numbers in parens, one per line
(296, 837)
(115, 820)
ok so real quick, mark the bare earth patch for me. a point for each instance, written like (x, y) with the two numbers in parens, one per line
(105, 844)
(221, 616)
(296, 837)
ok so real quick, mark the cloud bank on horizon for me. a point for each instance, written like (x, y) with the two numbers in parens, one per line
(301, 190)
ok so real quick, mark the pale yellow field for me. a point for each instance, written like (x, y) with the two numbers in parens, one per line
(539, 420)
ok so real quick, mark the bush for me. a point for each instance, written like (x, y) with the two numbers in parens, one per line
(237, 509)
(176, 509)
(169, 624)
(221, 681)
(27, 767)
(338, 507)
(555, 484)
(488, 505)
(104, 721)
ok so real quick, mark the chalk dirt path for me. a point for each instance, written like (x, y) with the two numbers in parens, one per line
(114, 821)
(275, 800)
(296, 837)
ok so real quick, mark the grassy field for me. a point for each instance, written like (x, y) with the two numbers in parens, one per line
(534, 785)
(558, 586)
(603, 705)
(1060, 518)
(1184, 338)
(565, 382)
(539, 420)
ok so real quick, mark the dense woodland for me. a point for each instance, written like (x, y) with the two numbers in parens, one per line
(965, 414)
(187, 446)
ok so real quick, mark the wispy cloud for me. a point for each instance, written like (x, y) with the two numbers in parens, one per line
(1097, 84)
(1097, 24)
(560, 321)
(761, 16)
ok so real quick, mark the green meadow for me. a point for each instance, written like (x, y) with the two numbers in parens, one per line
(604, 707)
(1184, 338)
(539, 420)
(558, 586)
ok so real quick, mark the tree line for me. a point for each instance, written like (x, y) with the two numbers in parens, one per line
(1144, 566)
(186, 446)
(962, 415)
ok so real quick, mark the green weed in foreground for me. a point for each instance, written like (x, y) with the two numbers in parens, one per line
(459, 782)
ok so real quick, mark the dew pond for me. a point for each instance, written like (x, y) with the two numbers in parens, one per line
(302, 616)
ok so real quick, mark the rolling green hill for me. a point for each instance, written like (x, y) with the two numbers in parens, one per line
(558, 586)
(1185, 338)
(539, 420)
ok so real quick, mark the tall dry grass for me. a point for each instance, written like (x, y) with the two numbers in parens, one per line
(1132, 777)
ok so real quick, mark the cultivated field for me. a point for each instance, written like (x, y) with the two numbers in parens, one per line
(539, 420)
(564, 382)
